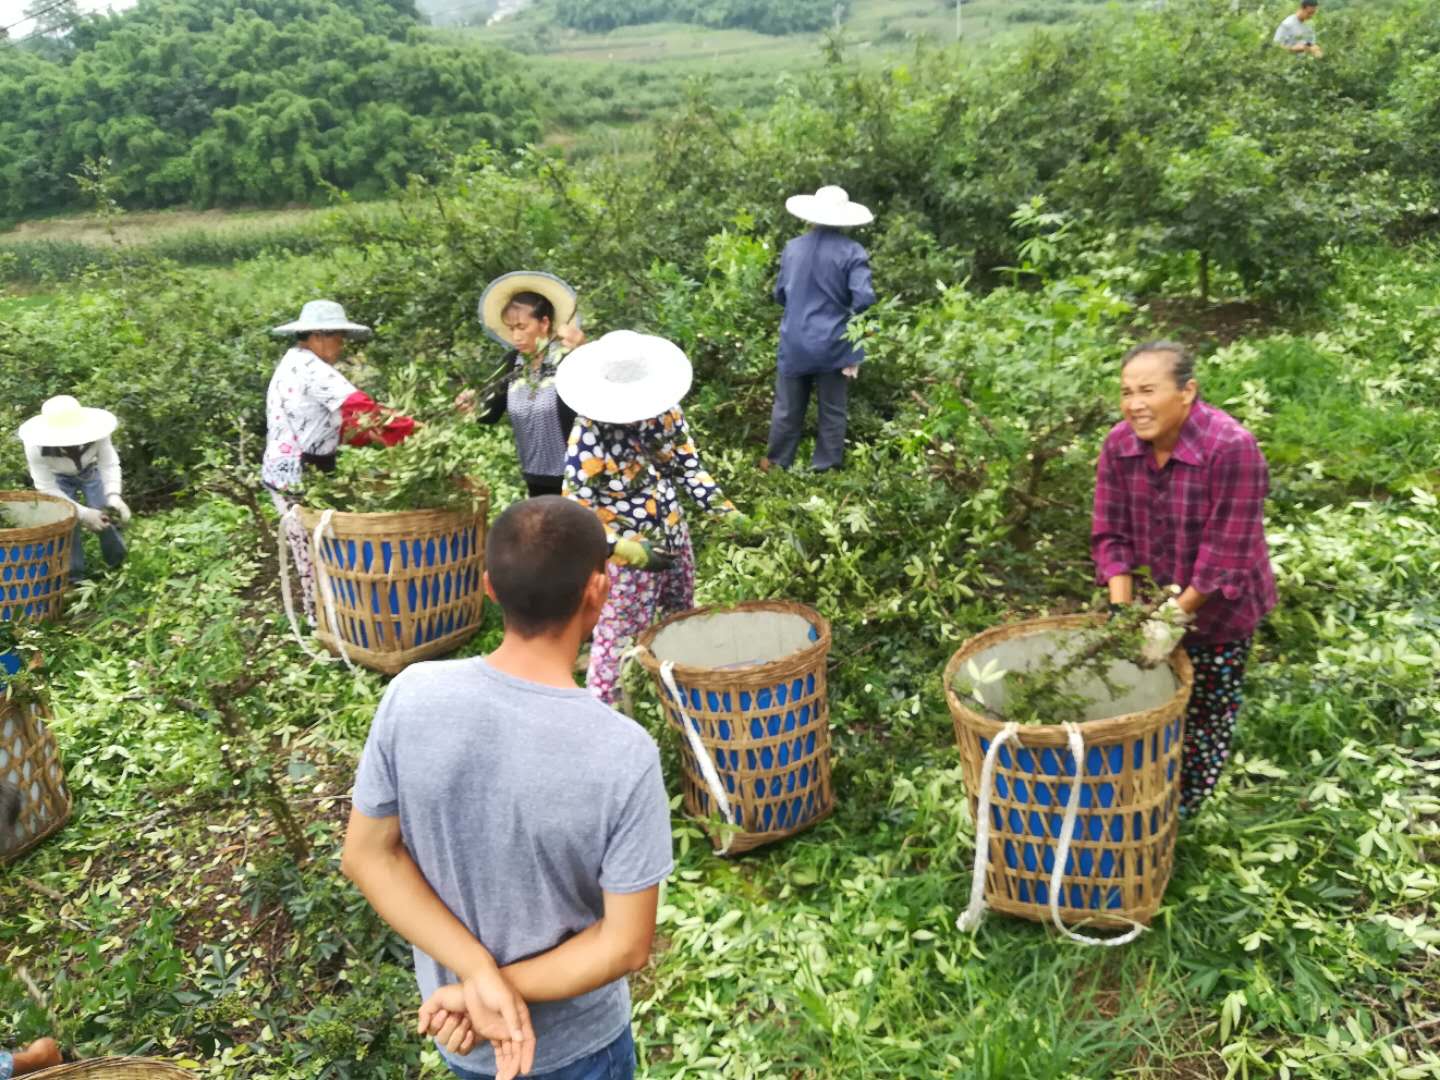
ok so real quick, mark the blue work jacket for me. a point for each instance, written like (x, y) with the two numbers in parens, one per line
(824, 279)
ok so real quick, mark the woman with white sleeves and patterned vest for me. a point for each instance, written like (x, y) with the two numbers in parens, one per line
(310, 409)
(70, 454)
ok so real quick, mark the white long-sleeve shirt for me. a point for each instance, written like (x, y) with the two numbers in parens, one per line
(44, 468)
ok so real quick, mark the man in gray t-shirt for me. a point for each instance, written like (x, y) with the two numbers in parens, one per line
(506, 819)
(1295, 34)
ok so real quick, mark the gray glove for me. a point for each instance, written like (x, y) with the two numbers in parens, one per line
(93, 519)
(1163, 631)
(116, 503)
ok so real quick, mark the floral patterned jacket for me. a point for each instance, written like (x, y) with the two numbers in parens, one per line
(629, 475)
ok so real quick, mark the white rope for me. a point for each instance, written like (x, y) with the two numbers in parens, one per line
(283, 546)
(971, 917)
(323, 577)
(1062, 852)
(702, 755)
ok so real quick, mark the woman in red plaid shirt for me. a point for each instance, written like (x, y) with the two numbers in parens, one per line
(1181, 488)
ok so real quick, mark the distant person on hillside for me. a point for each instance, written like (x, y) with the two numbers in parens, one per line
(70, 455)
(515, 830)
(309, 408)
(1295, 34)
(630, 452)
(534, 315)
(824, 279)
(1181, 489)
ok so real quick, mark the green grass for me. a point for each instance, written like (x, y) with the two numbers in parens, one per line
(14, 303)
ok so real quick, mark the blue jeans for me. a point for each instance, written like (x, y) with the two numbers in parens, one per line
(112, 544)
(613, 1062)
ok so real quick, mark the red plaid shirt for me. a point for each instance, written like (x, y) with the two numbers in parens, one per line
(1199, 521)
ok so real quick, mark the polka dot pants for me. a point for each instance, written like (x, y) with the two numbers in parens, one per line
(637, 599)
(1210, 717)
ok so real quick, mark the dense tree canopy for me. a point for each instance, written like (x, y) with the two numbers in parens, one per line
(216, 102)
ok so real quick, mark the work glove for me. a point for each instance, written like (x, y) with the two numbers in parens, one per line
(850, 372)
(643, 555)
(1163, 631)
(93, 519)
(122, 511)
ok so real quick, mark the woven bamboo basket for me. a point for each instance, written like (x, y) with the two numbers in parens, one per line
(116, 1068)
(749, 682)
(36, 532)
(405, 586)
(30, 761)
(1123, 845)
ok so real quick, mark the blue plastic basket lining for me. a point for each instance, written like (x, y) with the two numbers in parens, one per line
(370, 613)
(781, 733)
(1027, 814)
(30, 577)
(9, 666)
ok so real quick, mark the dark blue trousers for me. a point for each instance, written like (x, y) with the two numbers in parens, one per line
(787, 418)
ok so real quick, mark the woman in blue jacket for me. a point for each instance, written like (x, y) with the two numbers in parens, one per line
(824, 279)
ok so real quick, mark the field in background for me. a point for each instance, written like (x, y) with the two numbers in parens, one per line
(57, 249)
(632, 74)
(147, 226)
(875, 27)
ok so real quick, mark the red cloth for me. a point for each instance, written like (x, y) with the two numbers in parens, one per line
(358, 428)
(1198, 521)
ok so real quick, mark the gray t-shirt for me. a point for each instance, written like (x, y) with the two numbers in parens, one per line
(520, 803)
(1294, 32)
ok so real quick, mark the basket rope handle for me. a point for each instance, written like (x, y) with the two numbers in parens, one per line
(282, 545)
(324, 576)
(1062, 851)
(971, 917)
(702, 755)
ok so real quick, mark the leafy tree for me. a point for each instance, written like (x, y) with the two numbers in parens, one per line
(222, 102)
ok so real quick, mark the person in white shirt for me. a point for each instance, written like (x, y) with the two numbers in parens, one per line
(1295, 34)
(70, 454)
(310, 409)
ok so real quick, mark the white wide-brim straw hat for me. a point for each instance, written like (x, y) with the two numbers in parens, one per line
(498, 294)
(63, 421)
(624, 377)
(830, 205)
(323, 317)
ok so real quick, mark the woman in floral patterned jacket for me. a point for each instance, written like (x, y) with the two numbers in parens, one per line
(630, 454)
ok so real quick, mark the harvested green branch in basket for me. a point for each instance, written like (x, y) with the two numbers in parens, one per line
(1051, 690)
(425, 472)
